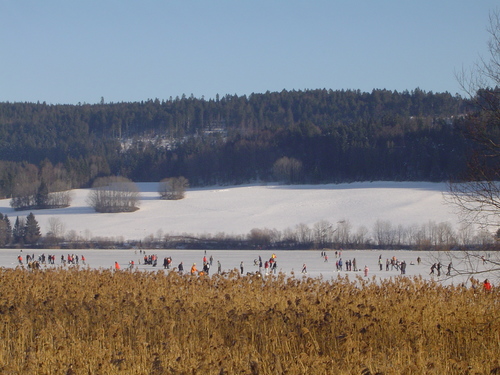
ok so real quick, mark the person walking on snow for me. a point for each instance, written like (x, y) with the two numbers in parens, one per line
(366, 271)
(403, 267)
(433, 267)
(449, 269)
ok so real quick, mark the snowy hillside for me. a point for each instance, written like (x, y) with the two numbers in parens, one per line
(237, 210)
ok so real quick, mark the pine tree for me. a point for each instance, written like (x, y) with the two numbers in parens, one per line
(42, 195)
(18, 231)
(32, 230)
(7, 228)
(3, 231)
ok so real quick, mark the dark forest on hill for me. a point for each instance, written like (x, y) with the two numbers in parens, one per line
(312, 136)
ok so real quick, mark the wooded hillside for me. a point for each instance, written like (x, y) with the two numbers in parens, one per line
(329, 136)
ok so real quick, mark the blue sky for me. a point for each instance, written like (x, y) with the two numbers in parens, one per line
(66, 52)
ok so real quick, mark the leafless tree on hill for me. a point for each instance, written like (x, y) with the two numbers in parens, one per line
(114, 194)
(173, 188)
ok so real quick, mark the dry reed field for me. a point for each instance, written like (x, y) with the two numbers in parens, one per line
(103, 322)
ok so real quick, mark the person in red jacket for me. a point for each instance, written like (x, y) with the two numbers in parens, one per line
(487, 285)
(117, 266)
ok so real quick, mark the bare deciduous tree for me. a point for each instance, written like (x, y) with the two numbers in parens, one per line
(384, 233)
(173, 188)
(287, 170)
(343, 233)
(55, 227)
(477, 193)
(25, 187)
(261, 237)
(361, 237)
(114, 194)
(323, 233)
(304, 233)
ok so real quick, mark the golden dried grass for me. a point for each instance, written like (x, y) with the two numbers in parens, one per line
(102, 322)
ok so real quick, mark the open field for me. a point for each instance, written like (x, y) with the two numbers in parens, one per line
(236, 210)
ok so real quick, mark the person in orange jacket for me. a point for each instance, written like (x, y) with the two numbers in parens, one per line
(117, 266)
(193, 269)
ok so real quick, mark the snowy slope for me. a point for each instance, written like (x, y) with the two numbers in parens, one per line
(237, 210)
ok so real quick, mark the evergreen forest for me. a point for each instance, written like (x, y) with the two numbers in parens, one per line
(311, 136)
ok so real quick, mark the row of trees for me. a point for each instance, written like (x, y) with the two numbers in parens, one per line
(119, 194)
(33, 197)
(321, 235)
(32, 187)
(183, 116)
(108, 194)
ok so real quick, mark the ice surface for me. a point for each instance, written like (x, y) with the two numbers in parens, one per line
(289, 262)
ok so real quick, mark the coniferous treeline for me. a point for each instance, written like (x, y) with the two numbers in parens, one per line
(334, 136)
(25, 231)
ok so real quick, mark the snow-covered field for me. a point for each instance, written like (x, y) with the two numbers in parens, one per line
(237, 210)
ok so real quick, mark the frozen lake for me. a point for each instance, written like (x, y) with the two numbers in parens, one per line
(288, 261)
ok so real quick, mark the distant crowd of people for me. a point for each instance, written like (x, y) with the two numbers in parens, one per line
(34, 262)
(266, 267)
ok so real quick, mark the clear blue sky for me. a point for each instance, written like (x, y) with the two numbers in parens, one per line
(79, 51)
